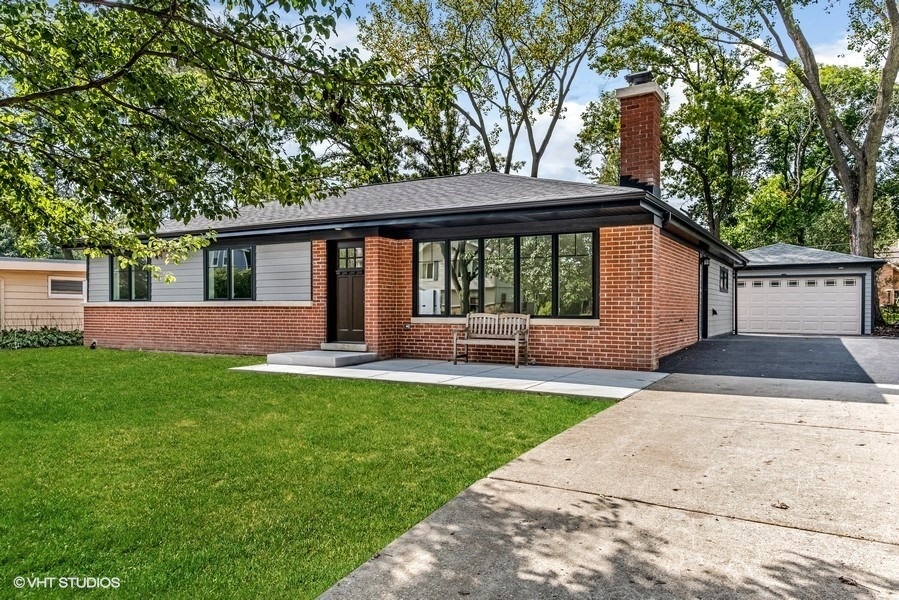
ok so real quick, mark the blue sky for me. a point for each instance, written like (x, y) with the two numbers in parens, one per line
(826, 30)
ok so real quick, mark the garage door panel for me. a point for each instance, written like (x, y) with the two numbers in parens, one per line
(811, 304)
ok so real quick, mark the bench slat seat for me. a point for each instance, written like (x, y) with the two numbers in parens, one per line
(488, 329)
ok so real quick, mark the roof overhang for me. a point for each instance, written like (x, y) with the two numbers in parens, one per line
(22, 264)
(634, 206)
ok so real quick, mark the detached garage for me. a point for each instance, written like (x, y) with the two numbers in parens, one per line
(791, 289)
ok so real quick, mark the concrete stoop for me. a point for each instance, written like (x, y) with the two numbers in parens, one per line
(322, 358)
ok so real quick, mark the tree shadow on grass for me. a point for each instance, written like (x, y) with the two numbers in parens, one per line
(508, 540)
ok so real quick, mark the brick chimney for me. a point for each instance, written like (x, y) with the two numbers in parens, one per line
(641, 132)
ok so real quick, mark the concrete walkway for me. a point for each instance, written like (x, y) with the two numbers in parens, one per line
(600, 383)
(699, 487)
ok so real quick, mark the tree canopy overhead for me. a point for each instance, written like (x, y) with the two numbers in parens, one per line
(774, 30)
(117, 114)
(518, 60)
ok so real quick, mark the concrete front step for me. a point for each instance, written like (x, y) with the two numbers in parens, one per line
(321, 358)
(345, 346)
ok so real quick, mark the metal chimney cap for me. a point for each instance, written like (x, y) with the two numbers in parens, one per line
(639, 77)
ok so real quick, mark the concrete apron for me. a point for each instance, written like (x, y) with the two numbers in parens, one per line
(679, 491)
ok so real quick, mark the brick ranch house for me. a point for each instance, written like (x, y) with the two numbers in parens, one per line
(613, 276)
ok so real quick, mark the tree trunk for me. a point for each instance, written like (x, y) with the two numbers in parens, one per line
(858, 193)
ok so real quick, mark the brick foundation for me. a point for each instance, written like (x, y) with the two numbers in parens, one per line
(647, 299)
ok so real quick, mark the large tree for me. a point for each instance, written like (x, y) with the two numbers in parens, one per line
(774, 30)
(518, 58)
(798, 198)
(117, 114)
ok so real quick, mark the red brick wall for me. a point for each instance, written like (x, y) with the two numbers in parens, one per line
(626, 335)
(647, 299)
(388, 300)
(641, 138)
(217, 327)
(677, 284)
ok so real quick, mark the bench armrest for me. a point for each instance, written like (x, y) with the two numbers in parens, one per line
(460, 333)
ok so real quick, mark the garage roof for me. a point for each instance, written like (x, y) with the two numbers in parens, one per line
(785, 255)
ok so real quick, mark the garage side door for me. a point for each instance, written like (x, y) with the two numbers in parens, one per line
(822, 305)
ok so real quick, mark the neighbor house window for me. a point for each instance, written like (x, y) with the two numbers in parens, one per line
(229, 273)
(536, 275)
(724, 279)
(431, 290)
(499, 275)
(131, 282)
(543, 275)
(575, 264)
(65, 287)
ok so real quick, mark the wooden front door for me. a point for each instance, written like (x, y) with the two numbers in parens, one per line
(348, 307)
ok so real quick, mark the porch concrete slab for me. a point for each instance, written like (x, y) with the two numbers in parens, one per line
(501, 539)
(596, 383)
(402, 364)
(416, 377)
(822, 478)
(496, 383)
(541, 373)
(354, 373)
(459, 370)
(321, 358)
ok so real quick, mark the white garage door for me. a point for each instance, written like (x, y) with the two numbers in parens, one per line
(830, 305)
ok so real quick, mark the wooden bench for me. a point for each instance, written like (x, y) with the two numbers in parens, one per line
(487, 329)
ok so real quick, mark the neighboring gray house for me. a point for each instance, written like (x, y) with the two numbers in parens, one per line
(792, 289)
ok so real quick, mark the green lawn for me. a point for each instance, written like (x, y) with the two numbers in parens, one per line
(184, 479)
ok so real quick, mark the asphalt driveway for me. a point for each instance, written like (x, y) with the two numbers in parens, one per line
(848, 359)
(699, 486)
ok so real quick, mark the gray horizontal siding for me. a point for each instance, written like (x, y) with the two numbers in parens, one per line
(188, 284)
(98, 279)
(721, 302)
(284, 272)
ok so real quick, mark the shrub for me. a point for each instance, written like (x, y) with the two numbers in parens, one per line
(45, 337)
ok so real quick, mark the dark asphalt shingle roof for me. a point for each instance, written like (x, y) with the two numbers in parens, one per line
(787, 254)
(434, 195)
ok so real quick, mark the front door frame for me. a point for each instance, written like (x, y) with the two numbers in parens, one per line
(332, 266)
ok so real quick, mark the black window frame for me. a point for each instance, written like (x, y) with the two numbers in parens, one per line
(516, 285)
(230, 248)
(114, 267)
(724, 280)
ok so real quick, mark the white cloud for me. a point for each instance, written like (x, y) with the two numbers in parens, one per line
(837, 52)
(347, 36)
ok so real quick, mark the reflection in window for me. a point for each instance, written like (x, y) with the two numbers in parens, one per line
(229, 273)
(350, 258)
(130, 282)
(464, 263)
(499, 275)
(575, 274)
(431, 294)
(536, 275)
(549, 275)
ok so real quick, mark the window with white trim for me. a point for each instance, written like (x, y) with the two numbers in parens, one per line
(69, 288)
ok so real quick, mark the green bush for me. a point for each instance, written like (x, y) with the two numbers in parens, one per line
(45, 337)
(890, 314)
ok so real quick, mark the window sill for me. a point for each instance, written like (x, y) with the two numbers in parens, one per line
(535, 321)
(205, 304)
